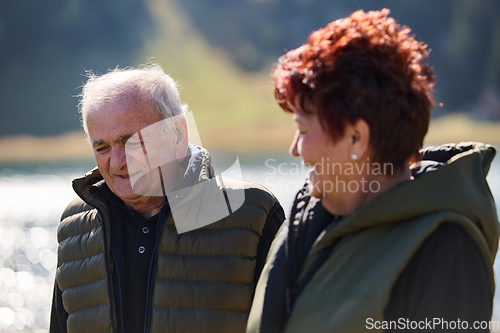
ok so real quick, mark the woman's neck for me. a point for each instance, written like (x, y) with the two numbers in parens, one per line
(346, 203)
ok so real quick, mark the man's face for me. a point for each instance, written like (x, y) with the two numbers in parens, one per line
(110, 126)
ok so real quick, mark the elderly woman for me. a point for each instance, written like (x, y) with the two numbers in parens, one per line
(372, 243)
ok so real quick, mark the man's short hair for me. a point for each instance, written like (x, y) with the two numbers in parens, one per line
(150, 81)
(365, 67)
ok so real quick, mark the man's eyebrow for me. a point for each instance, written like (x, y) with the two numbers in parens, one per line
(121, 138)
(97, 143)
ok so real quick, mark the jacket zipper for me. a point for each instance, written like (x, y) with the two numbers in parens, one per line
(152, 270)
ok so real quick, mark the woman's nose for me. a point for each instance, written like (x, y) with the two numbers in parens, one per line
(294, 151)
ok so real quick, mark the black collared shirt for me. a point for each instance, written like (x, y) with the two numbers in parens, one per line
(132, 245)
(131, 231)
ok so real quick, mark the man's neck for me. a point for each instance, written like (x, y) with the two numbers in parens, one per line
(149, 207)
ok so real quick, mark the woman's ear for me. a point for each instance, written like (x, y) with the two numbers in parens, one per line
(360, 136)
(182, 140)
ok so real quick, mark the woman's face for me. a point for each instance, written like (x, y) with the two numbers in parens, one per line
(317, 150)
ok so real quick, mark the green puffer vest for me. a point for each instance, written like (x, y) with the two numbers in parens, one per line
(376, 242)
(204, 278)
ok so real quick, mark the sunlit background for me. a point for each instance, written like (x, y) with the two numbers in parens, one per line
(221, 53)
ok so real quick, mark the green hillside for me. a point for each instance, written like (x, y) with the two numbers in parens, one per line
(221, 53)
(232, 108)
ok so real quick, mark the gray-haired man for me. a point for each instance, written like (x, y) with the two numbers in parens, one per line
(155, 241)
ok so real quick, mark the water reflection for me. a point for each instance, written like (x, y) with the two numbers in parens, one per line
(31, 202)
(30, 206)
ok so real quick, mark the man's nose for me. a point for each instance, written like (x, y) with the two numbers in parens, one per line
(294, 151)
(118, 158)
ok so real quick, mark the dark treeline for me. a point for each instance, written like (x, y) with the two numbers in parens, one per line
(464, 36)
(45, 48)
(46, 45)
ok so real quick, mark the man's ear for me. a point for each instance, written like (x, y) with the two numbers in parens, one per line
(181, 140)
(360, 136)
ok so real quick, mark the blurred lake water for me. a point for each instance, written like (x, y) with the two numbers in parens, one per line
(32, 198)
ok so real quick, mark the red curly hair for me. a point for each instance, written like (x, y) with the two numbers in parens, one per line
(365, 67)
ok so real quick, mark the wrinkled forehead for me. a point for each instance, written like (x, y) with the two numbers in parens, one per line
(123, 95)
(119, 118)
(127, 103)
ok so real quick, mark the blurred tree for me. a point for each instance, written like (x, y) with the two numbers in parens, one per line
(256, 32)
(473, 58)
(463, 35)
(43, 47)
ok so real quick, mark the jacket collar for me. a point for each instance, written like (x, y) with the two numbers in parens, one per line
(198, 169)
(456, 182)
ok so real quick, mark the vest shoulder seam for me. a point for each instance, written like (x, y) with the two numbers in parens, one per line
(78, 213)
(82, 258)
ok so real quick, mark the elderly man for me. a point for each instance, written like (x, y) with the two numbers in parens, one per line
(156, 242)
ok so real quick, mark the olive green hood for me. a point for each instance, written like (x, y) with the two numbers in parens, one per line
(371, 247)
(457, 176)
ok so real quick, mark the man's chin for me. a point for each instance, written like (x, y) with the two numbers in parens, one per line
(126, 194)
(125, 191)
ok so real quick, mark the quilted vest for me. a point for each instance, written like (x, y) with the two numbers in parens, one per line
(203, 280)
(356, 281)
(374, 244)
